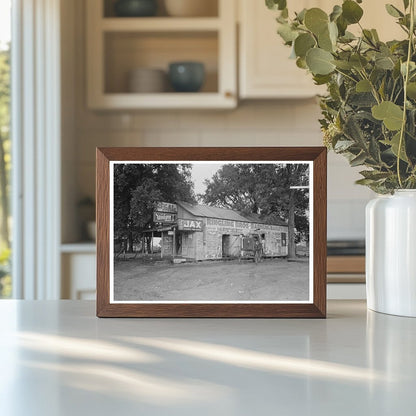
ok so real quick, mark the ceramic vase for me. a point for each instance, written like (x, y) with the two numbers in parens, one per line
(186, 76)
(135, 8)
(391, 253)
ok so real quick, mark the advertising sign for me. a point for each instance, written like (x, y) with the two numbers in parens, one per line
(166, 207)
(164, 217)
(191, 225)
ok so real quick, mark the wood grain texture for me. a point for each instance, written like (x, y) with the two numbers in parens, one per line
(346, 264)
(317, 309)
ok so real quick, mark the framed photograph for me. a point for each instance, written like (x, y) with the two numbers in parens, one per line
(211, 232)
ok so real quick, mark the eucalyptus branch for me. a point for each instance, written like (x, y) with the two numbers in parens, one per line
(406, 80)
(346, 75)
(373, 88)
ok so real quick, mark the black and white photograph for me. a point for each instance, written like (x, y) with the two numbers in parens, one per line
(211, 232)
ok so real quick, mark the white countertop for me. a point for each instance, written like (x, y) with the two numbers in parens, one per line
(57, 358)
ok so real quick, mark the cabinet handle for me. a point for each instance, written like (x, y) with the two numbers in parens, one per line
(229, 94)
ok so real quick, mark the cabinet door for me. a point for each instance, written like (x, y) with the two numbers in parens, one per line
(376, 17)
(265, 68)
(78, 276)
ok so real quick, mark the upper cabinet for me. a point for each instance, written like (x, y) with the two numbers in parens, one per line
(265, 68)
(129, 59)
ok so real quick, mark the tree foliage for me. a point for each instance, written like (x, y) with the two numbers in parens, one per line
(5, 165)
(369, 113)
(138, 187)
(263, 190)
(5, 145)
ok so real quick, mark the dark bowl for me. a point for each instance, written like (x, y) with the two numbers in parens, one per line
(186, 76)
(135, 8)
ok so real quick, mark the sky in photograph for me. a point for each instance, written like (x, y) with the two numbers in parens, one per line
(202, 171)
(4, 21)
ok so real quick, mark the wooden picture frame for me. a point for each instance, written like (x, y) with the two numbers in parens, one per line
(314, 306)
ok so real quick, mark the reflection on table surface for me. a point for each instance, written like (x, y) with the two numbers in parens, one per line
(58, 359)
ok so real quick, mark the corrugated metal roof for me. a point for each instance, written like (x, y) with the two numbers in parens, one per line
(221, 213)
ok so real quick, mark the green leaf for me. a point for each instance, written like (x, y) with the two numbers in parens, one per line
(336, 12)
(388, 112)
(333, 32)
(301, 63)
(303, 43)
(344, 65)
(365, 182)
(347, 37)
(325, 42)
(382, 89)
(411, 90)
(276, 4)
(358, 160)
(301, 15)
(320, 61)
(406, 4)
(374, 175)
(321, 79)
(375, 35)
(354, 132)
(374, 150)
(384, 62)
(351, 11)
(342, 25)
(368, 36)
(343, 145)
(363, 86)
(412, 67)
(393, 11)
(316, 20)
(394, 145)
(287, 33)
(358, 61)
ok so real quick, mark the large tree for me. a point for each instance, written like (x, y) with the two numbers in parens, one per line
(138, 187)
(266, 190)
(4, 142)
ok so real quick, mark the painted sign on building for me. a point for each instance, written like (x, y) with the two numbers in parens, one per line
(239, 224)
(191, 225)
(164, 217)
(166, 207)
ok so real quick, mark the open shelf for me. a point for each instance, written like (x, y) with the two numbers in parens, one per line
(127, 51)
(167, 100)
(160, 24)
(210, 7)
(119, 45)
(87, 247)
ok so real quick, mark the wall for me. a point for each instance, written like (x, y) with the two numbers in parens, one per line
(254, 123)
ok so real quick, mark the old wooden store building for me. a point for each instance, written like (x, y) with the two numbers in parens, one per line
(200, 232)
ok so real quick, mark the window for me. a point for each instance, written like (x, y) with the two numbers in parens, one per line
(5, 159)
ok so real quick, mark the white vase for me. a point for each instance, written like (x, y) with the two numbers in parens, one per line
(391, 253)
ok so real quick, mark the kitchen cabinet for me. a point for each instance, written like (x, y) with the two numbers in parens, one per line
(78, 263)
(118, 45)
(265, 70)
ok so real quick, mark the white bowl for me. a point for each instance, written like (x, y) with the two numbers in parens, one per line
(147, 80)
(191, 8)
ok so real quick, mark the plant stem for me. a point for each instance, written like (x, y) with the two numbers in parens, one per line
(346, 75)
(406, 80)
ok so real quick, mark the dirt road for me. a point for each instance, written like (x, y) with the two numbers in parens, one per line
(269, 280)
